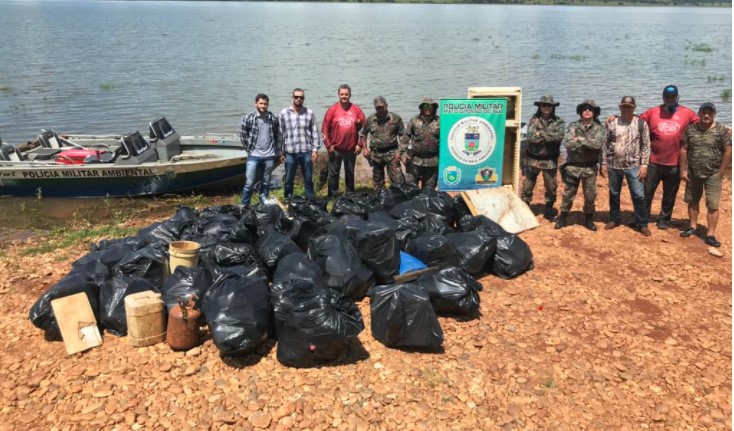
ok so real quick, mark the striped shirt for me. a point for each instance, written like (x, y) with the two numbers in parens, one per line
(249, 129)
(299, 132)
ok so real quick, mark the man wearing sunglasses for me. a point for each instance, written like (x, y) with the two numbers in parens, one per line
(583, 141)
(667, 123)
(299, 142)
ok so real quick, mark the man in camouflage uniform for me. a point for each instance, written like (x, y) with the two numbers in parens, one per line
(384, 129)
(705, 154)
(583, 141)
(420, 146)
(544, 134)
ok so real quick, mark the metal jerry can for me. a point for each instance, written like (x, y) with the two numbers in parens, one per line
(183, 325)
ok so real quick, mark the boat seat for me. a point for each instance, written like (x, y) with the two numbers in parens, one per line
(165, 139)
(10, 153)
(50, 139)
(134, 150)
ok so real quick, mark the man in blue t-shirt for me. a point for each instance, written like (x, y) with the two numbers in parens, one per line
(259, 136)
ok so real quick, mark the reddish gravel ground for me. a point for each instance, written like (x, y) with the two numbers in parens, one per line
(610, 331)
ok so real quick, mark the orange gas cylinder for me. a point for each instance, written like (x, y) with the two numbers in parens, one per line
(183, 325)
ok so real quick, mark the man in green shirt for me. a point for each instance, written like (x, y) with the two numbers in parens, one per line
(705, 153)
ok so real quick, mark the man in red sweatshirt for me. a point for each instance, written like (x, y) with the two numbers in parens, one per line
(340, 129)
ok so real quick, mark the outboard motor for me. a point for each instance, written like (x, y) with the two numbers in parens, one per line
(134, 150)
(165, 140)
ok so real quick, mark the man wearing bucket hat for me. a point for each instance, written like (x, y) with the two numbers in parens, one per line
(420, 146)
(705, 154)
(544, 133)
(625, 155)
(384, 129)
(583, 141)
(667, 123)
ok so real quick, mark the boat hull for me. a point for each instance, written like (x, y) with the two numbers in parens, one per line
(99, 180)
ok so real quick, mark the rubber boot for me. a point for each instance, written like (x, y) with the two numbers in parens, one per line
(561, 221)
(548, 213)
(589, 222)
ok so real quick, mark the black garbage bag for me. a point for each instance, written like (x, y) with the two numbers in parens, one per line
(184, 213)
(306, 225)
(434, 223)
(461, 209)
(299, 204)
(229, 254)
(406, 190)
(94, 271)
(440, 203)
(148, 263)
(111, 253)
(41, 313)
(379, 250)
(341, 265)
(318, 329)
(386, 199)
(476, 251)
(513, 257)
(261, 219)
(237, 310)
(112, 301)
(242, 233)
(405, 229)
(357, 203)
(433, 250)
(482, 225)
(402, 316)
(252, 271)
(227, 209)
(452, 291)
(274, 246)
(132, 242)
(185, 281)
(346, 227)
(297, 266)
(164, 231)
(215, 224)
(409, 209)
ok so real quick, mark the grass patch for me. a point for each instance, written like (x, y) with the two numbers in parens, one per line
(726, 94)
(576, 57)
(700, 47)
(550, 382)
(715, 78)
(107, 86)
(6, 89)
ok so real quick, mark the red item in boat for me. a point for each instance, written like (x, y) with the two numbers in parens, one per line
(74, 157)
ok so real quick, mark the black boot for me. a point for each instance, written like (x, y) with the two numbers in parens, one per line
(549, 212)
(589, 222)
(561, 221)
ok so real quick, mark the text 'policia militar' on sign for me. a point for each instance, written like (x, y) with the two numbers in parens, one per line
(473, 108)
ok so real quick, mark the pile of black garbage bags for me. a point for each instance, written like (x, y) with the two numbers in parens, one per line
(295, 275)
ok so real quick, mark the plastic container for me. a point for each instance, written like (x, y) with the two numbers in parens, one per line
(183, 253)
(146, 319)
(410, 263)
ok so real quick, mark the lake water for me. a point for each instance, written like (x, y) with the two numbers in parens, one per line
(93, 67)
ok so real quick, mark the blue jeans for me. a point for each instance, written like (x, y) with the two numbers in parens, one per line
(637, 190)
(257, 168)
(292, 162)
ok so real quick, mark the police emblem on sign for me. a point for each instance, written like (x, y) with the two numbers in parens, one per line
(486, 175)
(451, 175)
(471, 140)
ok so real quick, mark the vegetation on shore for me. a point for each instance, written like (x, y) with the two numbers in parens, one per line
(677, 3)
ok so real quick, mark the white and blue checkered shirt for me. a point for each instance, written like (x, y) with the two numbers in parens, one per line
(299, 132)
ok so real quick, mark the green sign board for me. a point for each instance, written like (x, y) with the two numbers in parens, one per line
(472, 143)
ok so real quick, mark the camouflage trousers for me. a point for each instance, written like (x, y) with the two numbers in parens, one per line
(549, 179)
(386, 161)
(427, 174)
(572, 177)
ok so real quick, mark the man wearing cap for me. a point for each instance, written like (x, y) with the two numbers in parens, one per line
(667, 123)
(259, 136)
(544, 133)
(342, 123)
(583, 140)
(420, 146)
(704, 157)
(299, 142)
(384, 129)
(626, 154)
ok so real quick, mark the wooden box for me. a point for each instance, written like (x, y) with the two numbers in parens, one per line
(146, 318)
(513, 132)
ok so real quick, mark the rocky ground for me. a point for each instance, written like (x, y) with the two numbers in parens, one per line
(610, 331)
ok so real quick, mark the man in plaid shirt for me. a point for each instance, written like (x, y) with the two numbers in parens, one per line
(259, 136)
(299, 142)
